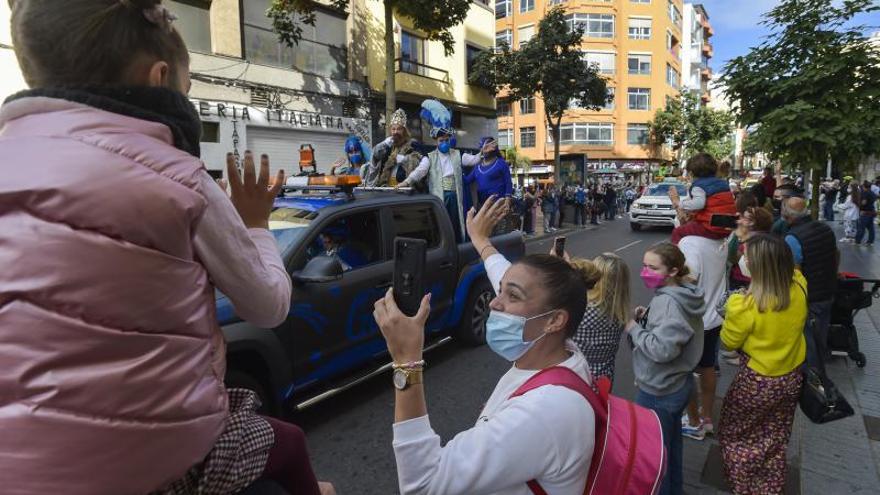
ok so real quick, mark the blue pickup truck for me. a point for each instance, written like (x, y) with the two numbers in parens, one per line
(338, 248)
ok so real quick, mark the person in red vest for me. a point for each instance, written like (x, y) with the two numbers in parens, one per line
(709, 195)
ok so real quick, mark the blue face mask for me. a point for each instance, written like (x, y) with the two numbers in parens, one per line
(504, 334)
(356, 158)
(444, 147)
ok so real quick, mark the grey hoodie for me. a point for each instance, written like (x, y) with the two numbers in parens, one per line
(667, 351)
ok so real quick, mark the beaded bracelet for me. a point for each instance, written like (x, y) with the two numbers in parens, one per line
(412, 365)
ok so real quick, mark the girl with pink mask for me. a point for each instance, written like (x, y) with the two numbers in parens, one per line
(667, 345)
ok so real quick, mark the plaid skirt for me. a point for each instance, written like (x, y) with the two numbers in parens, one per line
(238, 458)
(756, 420)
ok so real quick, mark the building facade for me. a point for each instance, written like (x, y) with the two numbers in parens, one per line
(697, 51)
(637, 46)
(255, 93)
(423, 70)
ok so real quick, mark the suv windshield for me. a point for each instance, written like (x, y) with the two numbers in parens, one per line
(289, 225)
(663, 190)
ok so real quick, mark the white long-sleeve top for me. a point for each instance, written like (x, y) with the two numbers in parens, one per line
(695, 201)
(419, 173)
(243, 263)
(547, 434)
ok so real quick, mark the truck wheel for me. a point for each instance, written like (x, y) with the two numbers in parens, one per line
(635, 226)
(241, 379)
(472, 328)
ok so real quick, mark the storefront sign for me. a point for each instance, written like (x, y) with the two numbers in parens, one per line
(618, 164)
(288, 118)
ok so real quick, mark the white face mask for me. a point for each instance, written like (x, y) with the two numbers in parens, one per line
(744, 267)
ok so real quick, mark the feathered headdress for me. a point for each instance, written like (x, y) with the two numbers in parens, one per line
(398, 117)
(438, 116)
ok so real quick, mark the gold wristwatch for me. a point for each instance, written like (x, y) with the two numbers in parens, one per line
(403, 378)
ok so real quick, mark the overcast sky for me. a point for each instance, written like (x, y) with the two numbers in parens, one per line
(737, 28)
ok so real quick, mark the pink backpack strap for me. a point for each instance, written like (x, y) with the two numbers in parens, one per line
(565, 377)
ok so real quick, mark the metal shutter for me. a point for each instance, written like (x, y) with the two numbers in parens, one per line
(282, 146)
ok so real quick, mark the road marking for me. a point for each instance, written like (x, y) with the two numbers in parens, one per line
(627, 246)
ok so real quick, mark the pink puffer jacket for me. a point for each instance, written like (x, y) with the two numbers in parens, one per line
(112, 366)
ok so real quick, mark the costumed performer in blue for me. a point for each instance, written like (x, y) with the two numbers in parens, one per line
(356, 160)
(492, 176)
(443, 165)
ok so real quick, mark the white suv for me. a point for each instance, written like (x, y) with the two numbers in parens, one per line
(654, 208)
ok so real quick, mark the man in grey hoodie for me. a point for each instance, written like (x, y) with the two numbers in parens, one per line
(667, 345)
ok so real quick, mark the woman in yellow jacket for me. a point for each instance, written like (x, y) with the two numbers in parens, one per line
(766, 324)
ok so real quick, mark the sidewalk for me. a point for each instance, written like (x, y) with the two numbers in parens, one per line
(842, 457)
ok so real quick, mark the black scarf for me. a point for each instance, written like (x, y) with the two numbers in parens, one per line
(161, 105)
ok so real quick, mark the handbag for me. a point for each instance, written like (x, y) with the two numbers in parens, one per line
(820, 400)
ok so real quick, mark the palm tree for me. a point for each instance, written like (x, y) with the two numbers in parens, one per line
(520, 164)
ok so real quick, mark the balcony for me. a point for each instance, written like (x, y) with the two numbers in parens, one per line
(708, 31)
(706, 73)
(705, 97)
(707, 49)
(419, 69)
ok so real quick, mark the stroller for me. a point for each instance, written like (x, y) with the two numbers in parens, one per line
(852, 295)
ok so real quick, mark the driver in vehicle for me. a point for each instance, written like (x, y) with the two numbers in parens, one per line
(335, 241)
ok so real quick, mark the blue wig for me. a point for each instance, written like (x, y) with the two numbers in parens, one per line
(354, 143)
(439, 118)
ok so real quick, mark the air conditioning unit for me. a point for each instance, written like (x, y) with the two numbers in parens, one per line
(259, 98)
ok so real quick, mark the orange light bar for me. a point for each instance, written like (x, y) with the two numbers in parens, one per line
(334, 180)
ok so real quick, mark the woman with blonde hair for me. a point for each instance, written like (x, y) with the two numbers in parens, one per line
(608, 303)
(766, 324)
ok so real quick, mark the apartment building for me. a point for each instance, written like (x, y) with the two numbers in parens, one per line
(697, 51)
(423, 70)
(253, 92)
(637, 46)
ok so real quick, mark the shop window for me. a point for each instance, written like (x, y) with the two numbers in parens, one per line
(193, 22)
(417, 223)
(210, 132)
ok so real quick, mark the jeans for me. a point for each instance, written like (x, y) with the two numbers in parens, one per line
(669, 409)
(579, 219)
(610, 211)
(450, 201)
(829, 210)
(548, 221)
(817, 338)
(865, 223)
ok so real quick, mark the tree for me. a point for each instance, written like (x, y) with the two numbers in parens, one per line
(520, 163)
(433, 18)
(812, 86)
(550, 65)
(691, 128)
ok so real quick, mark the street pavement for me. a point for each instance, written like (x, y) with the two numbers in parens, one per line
(350, 434)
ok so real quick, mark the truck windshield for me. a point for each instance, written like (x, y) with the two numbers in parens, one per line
(663, 190)
(289, 225)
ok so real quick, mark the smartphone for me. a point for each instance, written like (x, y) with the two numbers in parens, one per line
(559, 246)
(409, 273)
(723, 221)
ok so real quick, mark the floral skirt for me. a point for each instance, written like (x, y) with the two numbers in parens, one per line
(849, 228)
(756, 420)
(238, 458)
